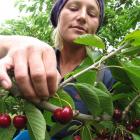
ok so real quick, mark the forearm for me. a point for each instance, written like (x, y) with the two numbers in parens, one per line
(8, 42)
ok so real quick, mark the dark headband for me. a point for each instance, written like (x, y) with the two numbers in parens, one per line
(60, 4)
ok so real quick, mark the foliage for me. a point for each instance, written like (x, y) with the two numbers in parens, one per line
(120, 18)
(100, 101)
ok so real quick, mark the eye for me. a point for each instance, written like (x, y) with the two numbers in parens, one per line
(73, 6)
(92, 14)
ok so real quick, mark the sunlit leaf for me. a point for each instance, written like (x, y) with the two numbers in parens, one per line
(90, 40)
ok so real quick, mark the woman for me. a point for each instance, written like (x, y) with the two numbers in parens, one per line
(40, 59)
(71, 18)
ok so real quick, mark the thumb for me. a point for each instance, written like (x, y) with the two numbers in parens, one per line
(6, 63)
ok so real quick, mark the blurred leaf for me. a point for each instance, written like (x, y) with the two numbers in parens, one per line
(133, 70)
(90, 40)
(135, 36)
(7, 133)
(86, 133)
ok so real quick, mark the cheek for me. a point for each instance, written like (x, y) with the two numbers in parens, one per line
(94, 26)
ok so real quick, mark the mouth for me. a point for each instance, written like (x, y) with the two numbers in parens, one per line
(79, 28)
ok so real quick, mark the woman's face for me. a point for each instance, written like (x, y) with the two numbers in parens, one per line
(78, 17)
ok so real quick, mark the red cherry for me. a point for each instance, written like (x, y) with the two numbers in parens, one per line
(20, 121)
(130, 128)
(136, 123)
(66, 115)
(5, 120)
(57, 114)
(117, 115)
(77, 137)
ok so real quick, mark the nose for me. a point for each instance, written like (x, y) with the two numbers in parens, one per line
(82, 15)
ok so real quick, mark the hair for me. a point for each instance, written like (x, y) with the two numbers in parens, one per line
(58, 43)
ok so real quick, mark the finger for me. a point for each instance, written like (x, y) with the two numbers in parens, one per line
(22, 76)
(49, 60)
(38, 73)
(5, 64)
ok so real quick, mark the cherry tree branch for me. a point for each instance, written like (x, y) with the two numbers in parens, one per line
(77, 115)
(93, 66)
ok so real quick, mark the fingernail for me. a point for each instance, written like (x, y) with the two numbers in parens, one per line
(5, 84)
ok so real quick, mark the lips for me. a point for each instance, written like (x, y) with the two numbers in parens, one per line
(80, 28)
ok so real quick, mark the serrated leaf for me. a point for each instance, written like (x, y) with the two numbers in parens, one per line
(90, 40)
(86, 133)
(36, 122)
(88, 77)
(106, 103)
(7, 133)
(89, 97)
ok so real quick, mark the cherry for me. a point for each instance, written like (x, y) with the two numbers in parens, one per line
(117, 115)
(128, 137)
(77, 137)
(63, 115)
(136, 123)
(19, 121)
(130, 128)
(66, 115)
(5, 120)
(57, 115)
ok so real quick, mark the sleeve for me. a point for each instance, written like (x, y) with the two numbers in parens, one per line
(23, 135)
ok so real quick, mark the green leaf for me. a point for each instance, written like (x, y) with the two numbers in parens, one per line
(135, 36)
(121, 96)
(135, 137)
(89, 97)
(90, 40)
(7, 133)
(47, 136)
(108, 125)
(86, 133)
(106, 103)
(87, 77)
(133, 70)
(36, 122)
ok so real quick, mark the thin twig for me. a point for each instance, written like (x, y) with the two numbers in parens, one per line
(93, 66)
(83, 117)
(126, 110)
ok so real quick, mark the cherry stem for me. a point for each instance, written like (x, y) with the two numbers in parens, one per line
(126, 110)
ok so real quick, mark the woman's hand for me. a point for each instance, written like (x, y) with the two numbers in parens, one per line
(34, 65)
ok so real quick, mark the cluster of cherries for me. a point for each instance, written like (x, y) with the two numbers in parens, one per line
(131, 126)
(19, 121)
(63, 115)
